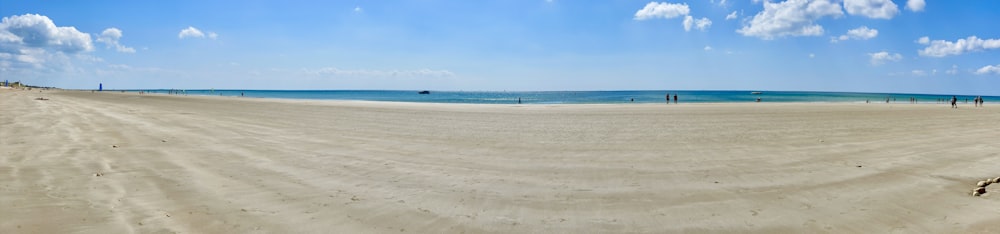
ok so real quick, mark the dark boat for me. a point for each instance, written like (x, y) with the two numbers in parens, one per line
(424, 92)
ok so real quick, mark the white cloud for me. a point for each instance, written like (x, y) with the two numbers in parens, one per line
(664, 10)
(924, 40)
(860, 33)
(790, 18)
(700, 24)
(359, 10)
(707, 48)
(38, 31)
(731, 16)
(880, 58)
(33, 43)
(915, 5)
(192, 32)
(876, 9)
(942, 48)
(110, 38)
(332, 71)
(953, 70)
(918, 73)
(989, 69)
(811, 55)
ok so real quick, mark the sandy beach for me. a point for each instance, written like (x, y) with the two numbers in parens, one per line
(128, 163)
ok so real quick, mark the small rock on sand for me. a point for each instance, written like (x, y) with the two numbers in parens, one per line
(980, 190)
(983, 183)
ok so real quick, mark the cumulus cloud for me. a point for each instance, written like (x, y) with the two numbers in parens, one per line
(942, 48)
(32, 42)
(701, 24)
(860, 33)
(880, 58)
(192, 32)
(924, 40)
(110, 38)
(664, 10)
(989, 69)
(38, 31)
(790, 18)
(731, 16)
(876, 9)
(915, 5)
(332, 71)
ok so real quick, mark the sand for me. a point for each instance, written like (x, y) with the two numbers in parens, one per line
(118, 163)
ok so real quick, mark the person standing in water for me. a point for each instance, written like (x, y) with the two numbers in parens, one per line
(675, 98)
(668, 98)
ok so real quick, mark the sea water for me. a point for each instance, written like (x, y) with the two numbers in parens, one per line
(578, 97)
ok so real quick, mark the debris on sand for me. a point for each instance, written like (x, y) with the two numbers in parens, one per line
(981, 186)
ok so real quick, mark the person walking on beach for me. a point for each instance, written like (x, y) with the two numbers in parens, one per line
(953, 102)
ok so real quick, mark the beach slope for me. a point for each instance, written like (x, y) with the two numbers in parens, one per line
(124, 162)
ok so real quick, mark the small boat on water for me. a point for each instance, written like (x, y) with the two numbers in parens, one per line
(424, 92)
(756, 92)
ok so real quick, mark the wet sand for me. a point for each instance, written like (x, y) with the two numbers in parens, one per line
(115, 163)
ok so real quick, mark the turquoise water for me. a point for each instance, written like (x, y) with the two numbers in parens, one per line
(577, 97)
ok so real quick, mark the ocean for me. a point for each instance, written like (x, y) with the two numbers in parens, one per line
(577, 97)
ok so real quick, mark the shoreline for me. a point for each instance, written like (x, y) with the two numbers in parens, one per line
(642, 102)
(82, 162)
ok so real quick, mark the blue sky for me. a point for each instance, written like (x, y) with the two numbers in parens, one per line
(942, 47)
